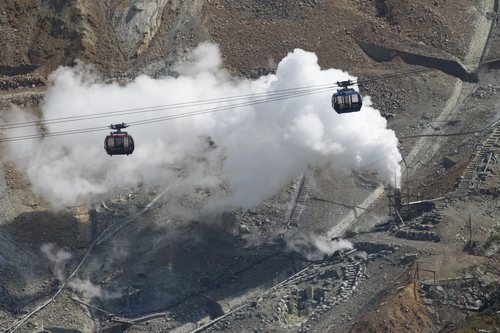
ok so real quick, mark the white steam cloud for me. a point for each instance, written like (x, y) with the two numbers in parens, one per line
(264, 145)
(316, 246)
(86, 288)
(89, 290)
(57, 257)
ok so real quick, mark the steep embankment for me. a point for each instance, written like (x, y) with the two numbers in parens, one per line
(112, 34)
(127, 35)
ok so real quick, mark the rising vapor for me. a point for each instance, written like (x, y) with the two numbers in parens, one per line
(262, 145)
(58, 258)
(314, 247)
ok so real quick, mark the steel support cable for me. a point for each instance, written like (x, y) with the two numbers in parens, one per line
(223, 108)
(222, 99)
(165, 118)
(276, 95)
(246, 97)
(52, 134)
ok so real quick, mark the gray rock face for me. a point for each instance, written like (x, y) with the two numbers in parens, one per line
(137, 21)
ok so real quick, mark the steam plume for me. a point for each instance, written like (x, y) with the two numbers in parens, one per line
(315, 246)
(263, 145)
(59, 258)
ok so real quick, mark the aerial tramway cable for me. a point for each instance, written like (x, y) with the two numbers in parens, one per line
(243, 100)
(256, 96)
(157, 119)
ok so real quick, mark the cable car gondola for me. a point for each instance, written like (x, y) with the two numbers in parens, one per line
(118, 142)
(346, 100)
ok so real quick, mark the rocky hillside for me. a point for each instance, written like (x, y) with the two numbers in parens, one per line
(224, 265)
(124, 38)
(124, 35)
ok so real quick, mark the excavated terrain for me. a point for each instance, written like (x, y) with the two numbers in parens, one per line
(141, 266)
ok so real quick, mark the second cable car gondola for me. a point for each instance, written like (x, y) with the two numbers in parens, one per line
(118, 142)
(347, 99)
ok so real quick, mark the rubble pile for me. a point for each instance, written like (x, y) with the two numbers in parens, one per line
(418, 235)
(306, 297)
(420, 228)
(22, 81)
(467, 293)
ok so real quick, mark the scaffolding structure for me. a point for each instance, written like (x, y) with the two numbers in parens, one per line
(399, 203)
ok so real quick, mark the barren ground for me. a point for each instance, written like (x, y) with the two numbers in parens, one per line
(172, 281)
